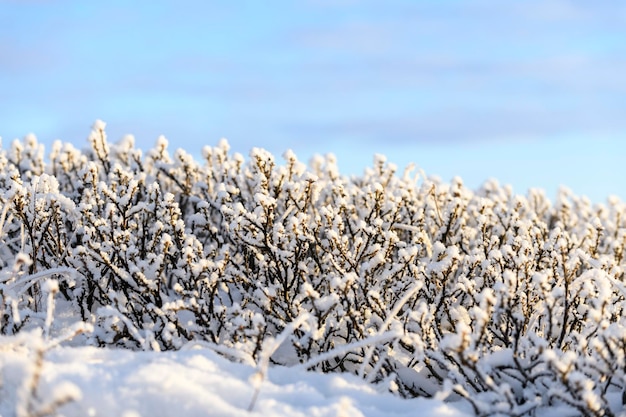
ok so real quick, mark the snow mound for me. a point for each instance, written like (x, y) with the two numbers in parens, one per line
(194, 382)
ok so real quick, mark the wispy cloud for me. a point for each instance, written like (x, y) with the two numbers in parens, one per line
(360, 74)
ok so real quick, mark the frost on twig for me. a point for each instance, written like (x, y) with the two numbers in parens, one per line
(514, 303)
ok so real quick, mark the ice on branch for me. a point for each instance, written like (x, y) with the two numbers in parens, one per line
(512, 303)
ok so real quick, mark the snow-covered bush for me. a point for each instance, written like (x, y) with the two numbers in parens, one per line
(511, 302)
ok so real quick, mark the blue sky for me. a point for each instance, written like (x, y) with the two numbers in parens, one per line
(532, 93)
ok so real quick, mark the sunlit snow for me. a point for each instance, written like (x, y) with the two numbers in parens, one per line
(191, 382)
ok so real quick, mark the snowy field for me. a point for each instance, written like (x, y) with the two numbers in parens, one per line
(191, 382)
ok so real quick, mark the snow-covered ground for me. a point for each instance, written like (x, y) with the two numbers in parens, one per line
(190, 382)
